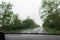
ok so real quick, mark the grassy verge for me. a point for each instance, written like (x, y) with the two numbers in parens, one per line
(17, 31)
(52, 31)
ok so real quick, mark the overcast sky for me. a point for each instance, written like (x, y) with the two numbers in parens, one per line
(25, 8)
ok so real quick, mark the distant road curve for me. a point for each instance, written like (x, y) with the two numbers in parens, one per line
(35, 30)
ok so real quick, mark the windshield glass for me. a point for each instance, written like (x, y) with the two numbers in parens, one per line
(30, 16)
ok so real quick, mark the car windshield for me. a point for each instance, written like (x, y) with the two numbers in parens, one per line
(30, 16)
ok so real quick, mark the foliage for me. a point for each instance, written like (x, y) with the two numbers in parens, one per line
(50, 7)
(29, 23)
(52, 21)
(5, 11)
(10, 21)
(51, 14)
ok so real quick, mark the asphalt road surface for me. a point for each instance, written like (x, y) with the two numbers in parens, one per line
(35, 30)
(31, 37)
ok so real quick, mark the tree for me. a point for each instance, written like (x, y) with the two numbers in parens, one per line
(17, 24)
(16, 20)
(51, 13)
(8, 20)
(6, 12)
(29, 23)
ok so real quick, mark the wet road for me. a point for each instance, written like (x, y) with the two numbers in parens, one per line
(35, 30)
(31, 37)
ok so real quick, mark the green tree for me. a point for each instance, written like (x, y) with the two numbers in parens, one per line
(16, 20)
(51, 14)
(29, 23)
(8, 20)
(49, 7)
(17, 23)
(6, 12)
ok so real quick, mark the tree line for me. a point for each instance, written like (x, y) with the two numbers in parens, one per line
(11, 21)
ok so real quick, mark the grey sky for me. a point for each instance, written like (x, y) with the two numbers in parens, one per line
(25, 8)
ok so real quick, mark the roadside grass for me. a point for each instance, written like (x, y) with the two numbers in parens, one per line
(17, 31)
(52, 31)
